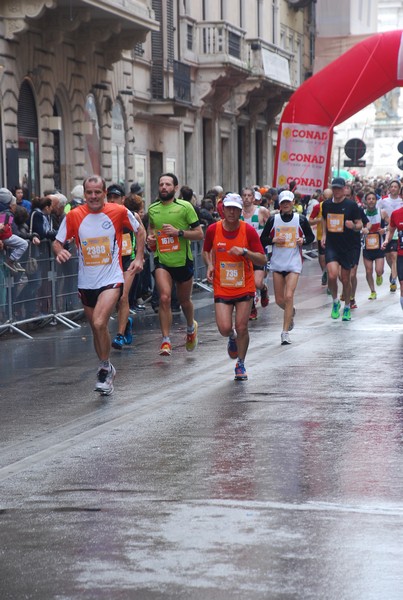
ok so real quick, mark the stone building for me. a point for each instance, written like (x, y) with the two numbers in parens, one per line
(131, 88)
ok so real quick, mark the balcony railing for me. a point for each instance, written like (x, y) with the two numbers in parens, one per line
(272, 61)
(220, 42)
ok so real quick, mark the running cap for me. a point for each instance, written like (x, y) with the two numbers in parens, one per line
(338, 182)
(258, 196)
(116, 190)
(286, 195)
(233, 200)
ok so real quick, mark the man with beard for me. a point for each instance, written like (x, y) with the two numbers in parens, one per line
(173, 225)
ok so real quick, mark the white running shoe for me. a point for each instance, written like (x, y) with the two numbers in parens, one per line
(285, 338)
(105, 379)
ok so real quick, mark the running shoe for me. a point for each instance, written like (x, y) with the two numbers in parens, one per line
(346, 314)
(240, 371)
(118, 341)
(353, 303)
(393, 286)
(105, 379)
(285, 338)
(253, 313)
(166, 349)
(324, 278)
(264, 296)
(191, 338)
(335, 310)
(372, 296)
(291, 327)
(232, 348)
(379, 280)
(138, 308)
(128, 337)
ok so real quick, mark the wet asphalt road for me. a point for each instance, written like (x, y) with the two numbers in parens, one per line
(188, 485)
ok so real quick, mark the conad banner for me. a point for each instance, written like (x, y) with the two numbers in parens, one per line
(303, 156)
(358, 77)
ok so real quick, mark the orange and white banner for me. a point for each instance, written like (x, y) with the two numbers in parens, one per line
(302, 156)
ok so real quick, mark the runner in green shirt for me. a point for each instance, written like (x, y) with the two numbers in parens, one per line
(173, 226)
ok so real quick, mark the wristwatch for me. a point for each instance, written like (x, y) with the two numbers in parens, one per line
(245, 252)
(180, 232)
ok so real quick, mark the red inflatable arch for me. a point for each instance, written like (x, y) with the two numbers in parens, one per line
(361, 75)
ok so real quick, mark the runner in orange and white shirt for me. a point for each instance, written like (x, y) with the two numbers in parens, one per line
(231, 248)
(97, 228)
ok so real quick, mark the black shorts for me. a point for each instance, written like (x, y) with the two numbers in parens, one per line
(89, 297)
(346, 259)
(126, 262)
(321, 250)
(400, 268)
(373, 254)
(357, 254)
(283, 273)
(391, 247)
(257, 268)
(178, 274)
(233, 301)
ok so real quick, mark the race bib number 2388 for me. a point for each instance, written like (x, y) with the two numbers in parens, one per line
(96, 251)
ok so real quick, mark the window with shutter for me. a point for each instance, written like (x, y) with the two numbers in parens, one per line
(157, 49)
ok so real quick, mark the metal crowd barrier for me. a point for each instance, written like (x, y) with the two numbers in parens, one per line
(200, 269)
(47, 294)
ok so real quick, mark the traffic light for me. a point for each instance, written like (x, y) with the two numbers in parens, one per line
(400, 159)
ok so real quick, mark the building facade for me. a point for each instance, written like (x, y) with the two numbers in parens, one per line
(132, 88)
(380, 124)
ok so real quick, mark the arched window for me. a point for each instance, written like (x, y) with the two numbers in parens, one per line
(91, 138)
(28, 159)
(118, 145)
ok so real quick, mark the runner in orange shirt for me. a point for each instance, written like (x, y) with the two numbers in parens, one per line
(231, 248)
